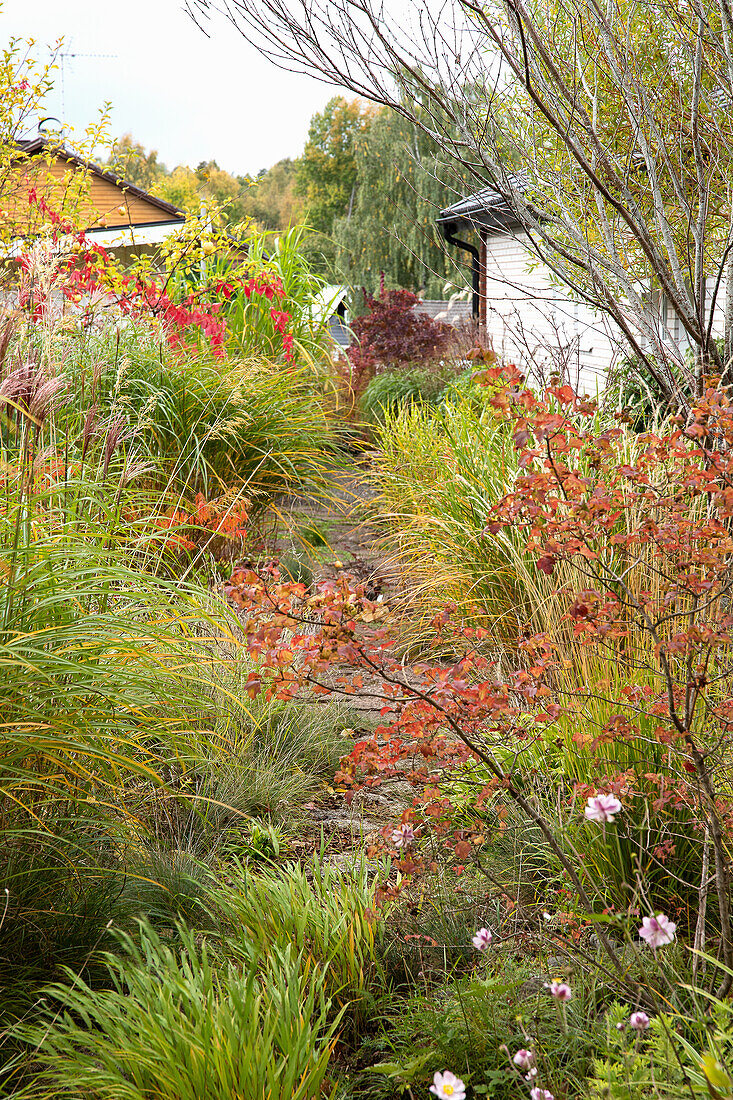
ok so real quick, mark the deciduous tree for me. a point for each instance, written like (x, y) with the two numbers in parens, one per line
(326, 175)
(388, 232)
(130, 160)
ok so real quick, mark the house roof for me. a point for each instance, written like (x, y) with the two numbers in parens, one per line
(486, 208)
(42, 144)
(452, 311)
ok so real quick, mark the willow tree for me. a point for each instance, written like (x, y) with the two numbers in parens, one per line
(619, 111)
(388, 233)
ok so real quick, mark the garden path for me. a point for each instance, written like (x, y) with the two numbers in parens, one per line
(351, 545)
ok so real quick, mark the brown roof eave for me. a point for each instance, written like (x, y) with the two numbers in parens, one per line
(41, 144)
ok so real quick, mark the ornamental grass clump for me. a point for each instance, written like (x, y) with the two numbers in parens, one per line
(200, 419)
(391, 390)
(108, 647)
(180, 1023)
(325, 911)
(437, 477)
(202, 423)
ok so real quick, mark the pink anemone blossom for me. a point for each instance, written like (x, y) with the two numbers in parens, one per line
(603, 808)
(639, 1021)
(523, 1059)
(657, 931)
(403, 836)
(561, 991)
(446, 1086)
(482, 939)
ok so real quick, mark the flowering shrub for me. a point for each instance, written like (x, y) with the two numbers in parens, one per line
(642, 554)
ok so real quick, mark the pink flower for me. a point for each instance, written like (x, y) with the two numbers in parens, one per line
(639, 1021)
(482, 939)
(657, 931)
(446, 1086)
(541, 1094)
(403, 836)
(603, 808)
(523, 1059)
(560, 990)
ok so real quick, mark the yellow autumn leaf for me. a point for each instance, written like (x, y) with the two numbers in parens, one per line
(716, 1075)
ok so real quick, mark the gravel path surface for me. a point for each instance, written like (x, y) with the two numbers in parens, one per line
(353, 547)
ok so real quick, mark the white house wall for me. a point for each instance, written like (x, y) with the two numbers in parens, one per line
(536, 324)
(672, 329)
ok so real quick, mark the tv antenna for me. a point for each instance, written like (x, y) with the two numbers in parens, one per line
(70, 55)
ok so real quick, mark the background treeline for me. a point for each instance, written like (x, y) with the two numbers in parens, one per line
(368, 183)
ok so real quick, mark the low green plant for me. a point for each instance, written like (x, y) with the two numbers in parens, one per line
(389, 391)
(671, 1057)
(258, 843)
(314, 533)
(176, 1024)
(295, 569)
(473, 1027)
(429, 934)
(324, 911)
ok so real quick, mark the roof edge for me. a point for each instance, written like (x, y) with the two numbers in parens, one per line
(484, 209)
(41, 144)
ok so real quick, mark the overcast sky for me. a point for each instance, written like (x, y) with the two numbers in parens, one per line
(189, 97)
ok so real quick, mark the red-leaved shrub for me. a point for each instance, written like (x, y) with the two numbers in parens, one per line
(391, 335)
